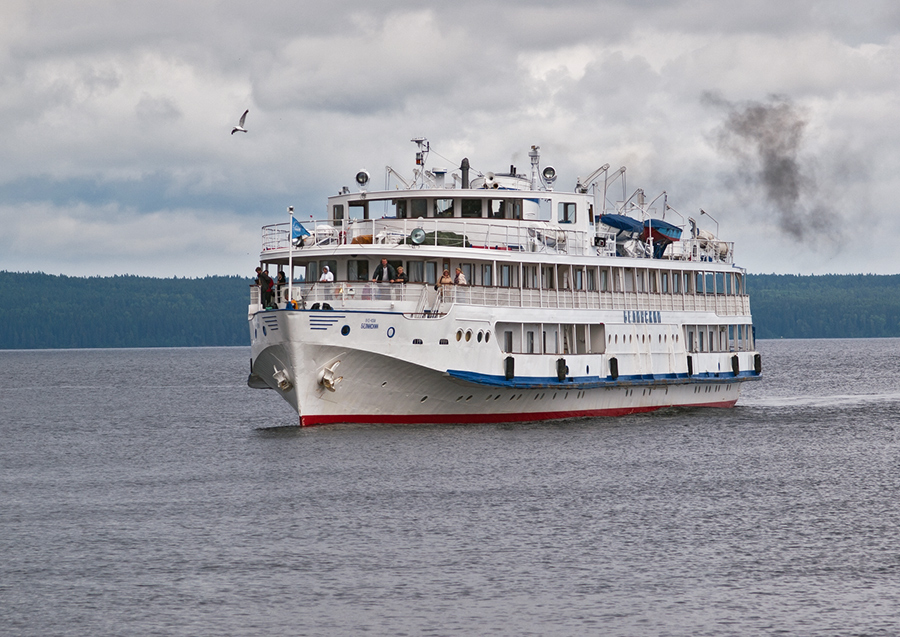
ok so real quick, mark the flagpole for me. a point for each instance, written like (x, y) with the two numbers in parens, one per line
(291, 255)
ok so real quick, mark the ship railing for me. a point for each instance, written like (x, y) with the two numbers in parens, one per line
(423, 299)
(519, 236)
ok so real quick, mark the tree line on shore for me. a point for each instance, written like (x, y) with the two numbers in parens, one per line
(55, 311)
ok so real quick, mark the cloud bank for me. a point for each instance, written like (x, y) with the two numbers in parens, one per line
(118, 156)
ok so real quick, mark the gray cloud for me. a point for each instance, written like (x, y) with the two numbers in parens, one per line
(126, 108)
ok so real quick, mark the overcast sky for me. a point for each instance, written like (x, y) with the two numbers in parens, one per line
(780, 119)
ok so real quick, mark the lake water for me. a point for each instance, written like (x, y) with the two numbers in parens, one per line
(150, 492)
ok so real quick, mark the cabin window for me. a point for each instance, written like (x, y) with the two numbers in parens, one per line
(418, 208)
(566, 212)
(676, 278)
(664, 282)
(579, 279)
(508, 341)
(487, 271)
(338, 211)
(312, 272)
(470, 208)
(506, 275)
(400, 206)
(359, 210)
(443, 207)
(641, 280)
(431, 272)
(468, 271)
(416, 271)
(591, 280)
(357, 270)
(654, 284)
(604, 280)
(629, 280)
(547, 277)
(529, 342)
(562, 277)
(531, 276)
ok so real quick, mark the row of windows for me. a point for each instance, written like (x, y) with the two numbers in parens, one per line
(542, 338)
(549, 277)
(719, 338)
(463, 208)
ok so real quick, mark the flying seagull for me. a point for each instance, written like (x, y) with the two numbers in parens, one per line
(240, 126)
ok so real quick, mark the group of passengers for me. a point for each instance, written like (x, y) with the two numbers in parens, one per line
(268, 286)
(385, 273)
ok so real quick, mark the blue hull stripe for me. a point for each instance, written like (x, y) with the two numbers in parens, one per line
(592, 382)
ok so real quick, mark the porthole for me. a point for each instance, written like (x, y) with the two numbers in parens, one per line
(468, 336)
(423, 399)
(458, 335)
(264, 330)
(444, 341)
(345, 330)
(480, 336)
(487, 337)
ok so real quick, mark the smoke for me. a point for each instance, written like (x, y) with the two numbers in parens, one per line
(766, 140)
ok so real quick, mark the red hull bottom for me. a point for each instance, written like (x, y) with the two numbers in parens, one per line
(439, 419)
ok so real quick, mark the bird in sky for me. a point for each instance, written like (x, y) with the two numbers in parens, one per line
(240, 126)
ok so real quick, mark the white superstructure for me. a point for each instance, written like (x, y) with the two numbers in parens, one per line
(571, 307)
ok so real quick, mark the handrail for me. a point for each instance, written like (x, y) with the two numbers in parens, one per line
(513, 235)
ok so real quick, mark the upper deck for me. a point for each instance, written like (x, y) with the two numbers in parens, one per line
(509, 212)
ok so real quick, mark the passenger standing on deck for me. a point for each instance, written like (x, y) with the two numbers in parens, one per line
(265, 283)
(460, 278)
(280, 281)
(446, 279)
(327, 276)
(384, 273)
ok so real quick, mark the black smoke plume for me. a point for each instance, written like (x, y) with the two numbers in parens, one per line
(766, 140)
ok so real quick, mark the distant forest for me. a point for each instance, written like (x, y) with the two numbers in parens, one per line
(48, 311)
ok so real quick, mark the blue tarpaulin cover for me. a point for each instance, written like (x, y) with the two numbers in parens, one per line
(621, 222)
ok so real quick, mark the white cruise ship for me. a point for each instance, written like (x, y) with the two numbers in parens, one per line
(517, 302)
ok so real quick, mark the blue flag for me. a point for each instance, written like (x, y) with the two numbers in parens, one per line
(297, 229)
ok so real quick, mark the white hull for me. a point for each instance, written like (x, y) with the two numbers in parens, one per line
(418, 384)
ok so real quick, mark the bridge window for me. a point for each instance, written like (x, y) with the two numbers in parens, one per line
(418, 208)
(471, 208)
(359, 210)
(566, 212)
(443, 207)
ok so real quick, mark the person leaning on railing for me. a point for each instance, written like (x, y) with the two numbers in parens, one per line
(401, 276)
(384, 273)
